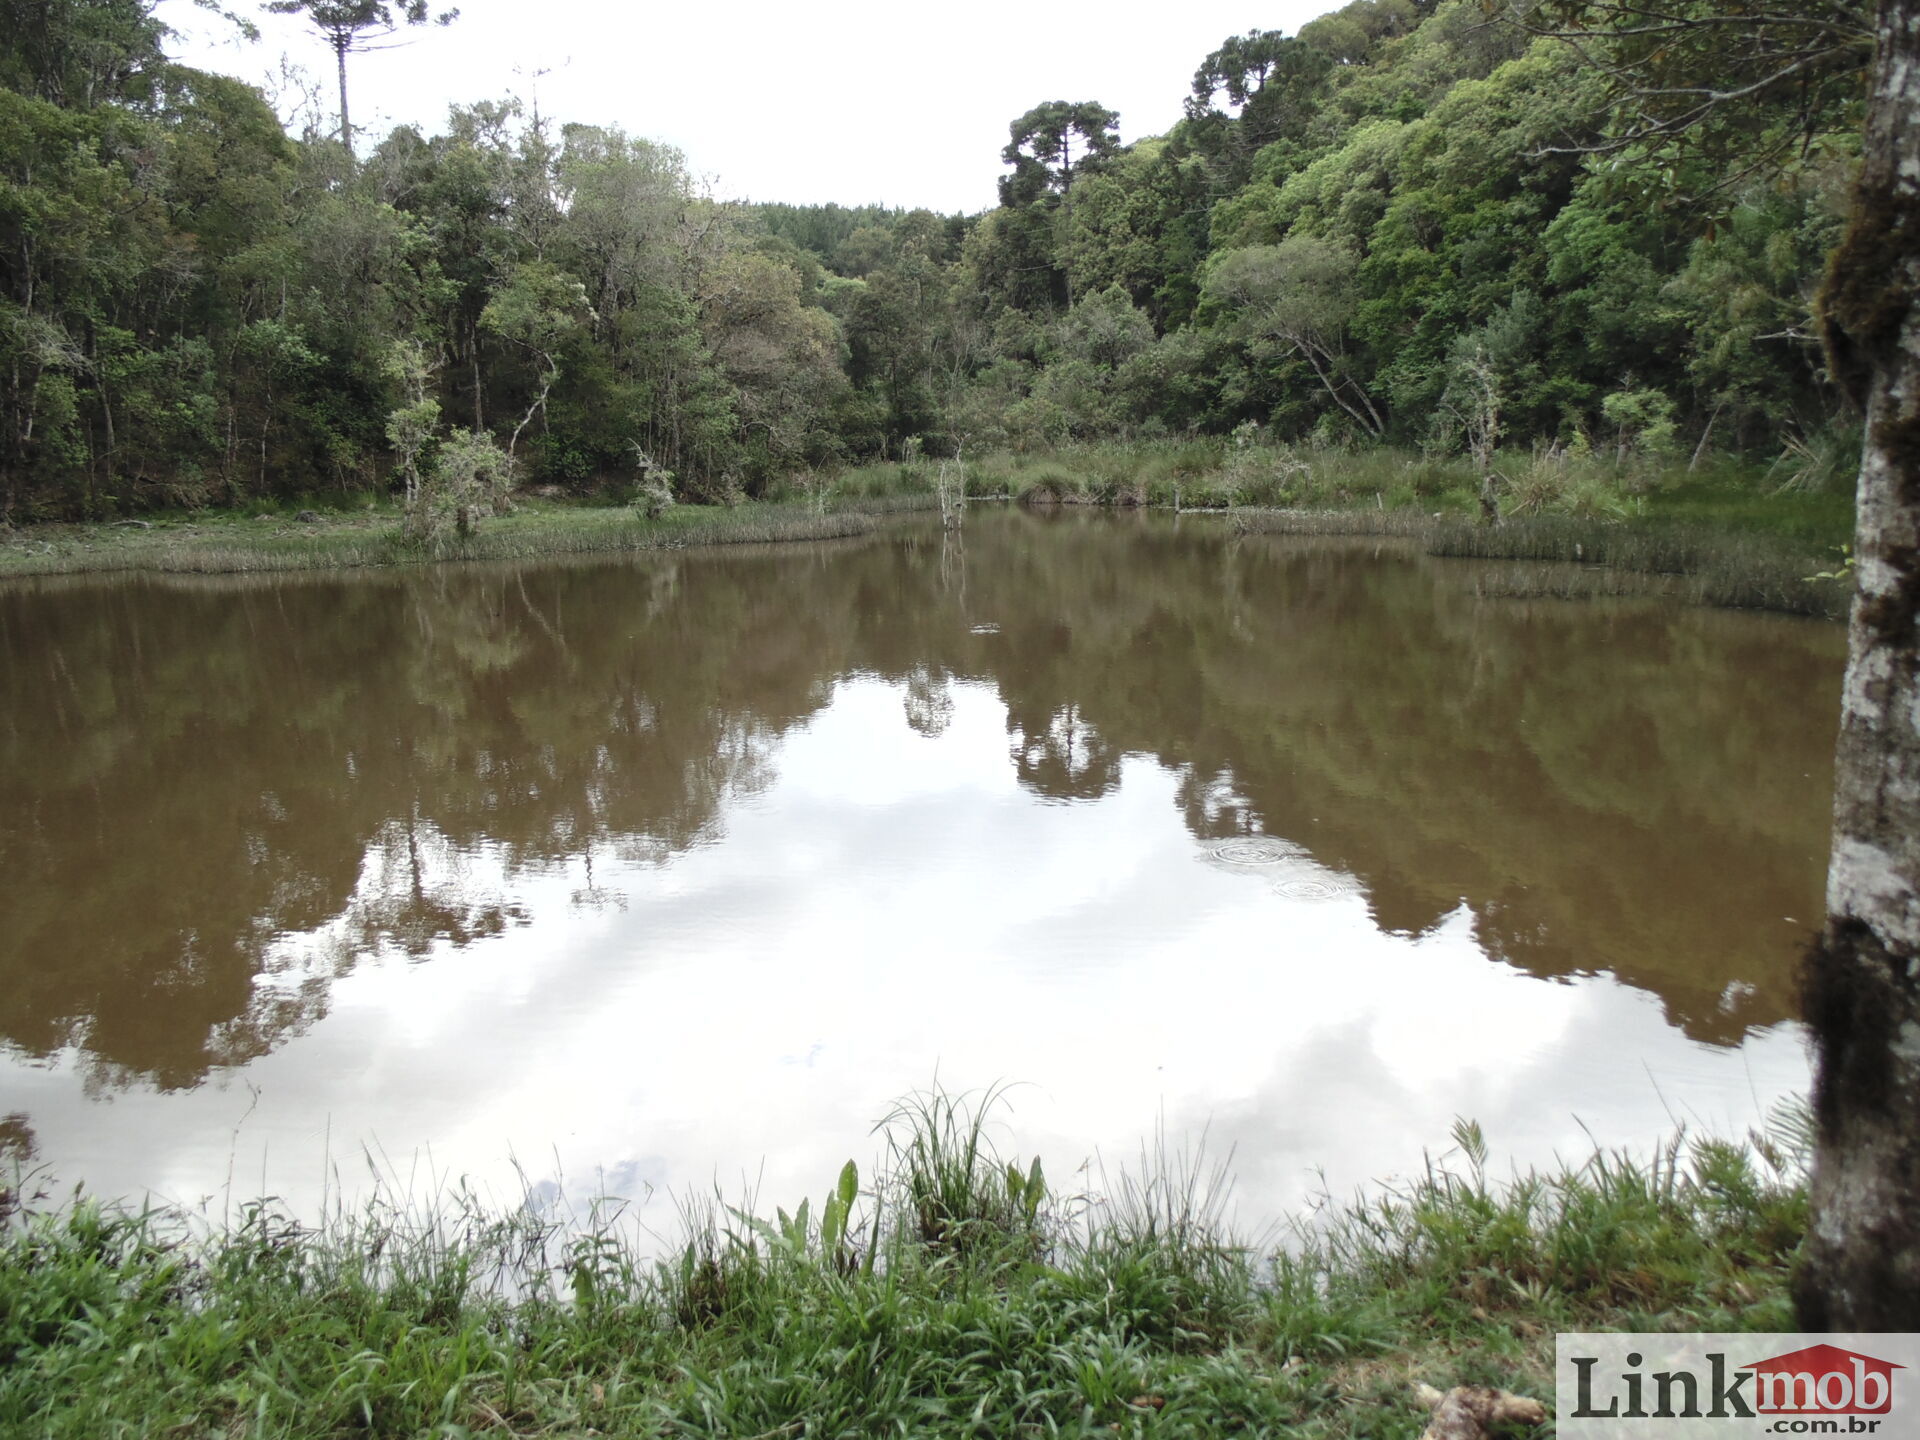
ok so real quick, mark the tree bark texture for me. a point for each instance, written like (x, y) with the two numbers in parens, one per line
(1861, 1265)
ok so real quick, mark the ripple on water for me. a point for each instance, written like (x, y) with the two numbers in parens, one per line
(1317, 887)
(1256, 850)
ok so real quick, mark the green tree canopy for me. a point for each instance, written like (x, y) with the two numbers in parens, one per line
(1049, 141)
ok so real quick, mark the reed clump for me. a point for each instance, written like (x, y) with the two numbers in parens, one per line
(955, 1292)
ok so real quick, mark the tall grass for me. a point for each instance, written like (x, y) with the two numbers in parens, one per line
(952, 1193)
(1314, 484)
(1718, 566)
(274, 544)
(942, 1299)
(1158, 1238)
(1738, 537)
(1193, 474)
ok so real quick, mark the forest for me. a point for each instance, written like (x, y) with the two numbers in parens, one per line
(1434, 225)
(1635, 240)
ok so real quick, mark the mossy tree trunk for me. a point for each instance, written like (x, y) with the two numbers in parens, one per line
(1862, 1262)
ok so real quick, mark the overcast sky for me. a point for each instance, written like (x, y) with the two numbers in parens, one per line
(855, 102)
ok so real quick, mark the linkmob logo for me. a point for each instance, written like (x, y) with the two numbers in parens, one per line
(1823, 1380)
(1696, 1386)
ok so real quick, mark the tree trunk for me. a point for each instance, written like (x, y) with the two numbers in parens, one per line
(1371, 421)
(341, 40)
(473, 355)
(1861, 1269)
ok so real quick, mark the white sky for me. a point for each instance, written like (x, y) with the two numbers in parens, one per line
(859, 103)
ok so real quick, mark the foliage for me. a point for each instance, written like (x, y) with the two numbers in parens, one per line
(655, 486)
(1350, 232)
(1041, 151)
(1644, 420)
(471, 477)
(1714, 94)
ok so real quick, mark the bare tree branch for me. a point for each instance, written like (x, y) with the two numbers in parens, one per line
(1684, 76)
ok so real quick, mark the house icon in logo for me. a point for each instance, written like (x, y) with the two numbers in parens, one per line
(1823, 1380)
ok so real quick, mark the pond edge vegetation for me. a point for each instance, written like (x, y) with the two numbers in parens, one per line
(1581, 526)
(957, 1291)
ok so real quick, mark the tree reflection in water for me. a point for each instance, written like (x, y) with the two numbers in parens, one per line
(199, 777)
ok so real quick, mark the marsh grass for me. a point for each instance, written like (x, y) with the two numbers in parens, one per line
(1738, 537)
(273, 543)
(943, 1301)
(1158, 1237)
(953, 1194)
(1711, 565)
(1726, 535)
(1196, 474)
(1570, 558)
(1406, 524)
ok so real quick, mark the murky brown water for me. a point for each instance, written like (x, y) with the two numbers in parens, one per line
(647, 873)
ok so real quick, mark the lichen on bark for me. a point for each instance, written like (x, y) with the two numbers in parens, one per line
(1861, 1266)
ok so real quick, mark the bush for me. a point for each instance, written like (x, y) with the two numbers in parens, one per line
(1643, 422)
(468, 477)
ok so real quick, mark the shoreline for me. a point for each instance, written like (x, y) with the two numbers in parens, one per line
(229, 545)
(1712, 543)
(955, 1292)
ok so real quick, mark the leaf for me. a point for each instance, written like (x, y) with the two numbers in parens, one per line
(1036, 1188)
(761, 1228)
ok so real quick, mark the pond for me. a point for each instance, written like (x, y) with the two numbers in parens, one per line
(648, 875)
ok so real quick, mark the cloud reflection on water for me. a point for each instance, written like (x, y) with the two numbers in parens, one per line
(422, 875)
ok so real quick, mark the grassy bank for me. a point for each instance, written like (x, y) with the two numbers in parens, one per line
(1808, 502)
(955, 1295)
(277, 540)
(1724, 534)
(1575, 526)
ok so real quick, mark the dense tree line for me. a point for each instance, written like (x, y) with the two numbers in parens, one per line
(1405, 222)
